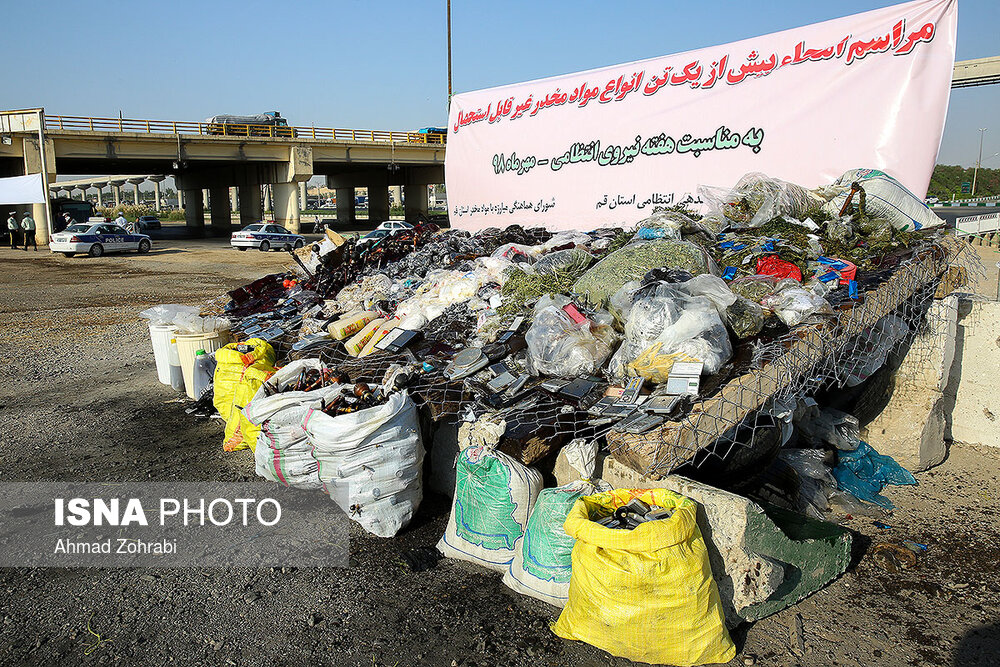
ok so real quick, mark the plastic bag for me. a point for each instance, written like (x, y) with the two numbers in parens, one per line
(772, 265)
(754, 288)
(712, 288)
(370, 462)
(645, 594)
(633, 261)
(756, 199)
(864, 473)
(560, 347)
(745, 318)
(870, 349)
(667, 326)
(821, 426)
(187, 323)
(574, 260)
(885, 197)
(493, 496)
(815, 480)
(238, 376)
(284, 453)
(166, 313)
(542, 556)
(793, 304)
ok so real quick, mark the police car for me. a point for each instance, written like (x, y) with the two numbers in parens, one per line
(265, 236)
(95, 239)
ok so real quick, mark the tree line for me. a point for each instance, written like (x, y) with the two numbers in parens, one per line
(946, 182)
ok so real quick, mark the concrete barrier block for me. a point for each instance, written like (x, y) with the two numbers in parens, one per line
(972, 395)
(760, 566)
(911, 427)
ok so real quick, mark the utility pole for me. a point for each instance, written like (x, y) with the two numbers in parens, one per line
(449, 56)
(982, 131)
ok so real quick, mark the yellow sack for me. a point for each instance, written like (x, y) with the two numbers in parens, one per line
(238, 376)
(645, 594)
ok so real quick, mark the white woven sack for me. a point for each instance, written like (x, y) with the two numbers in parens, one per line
(370, 462)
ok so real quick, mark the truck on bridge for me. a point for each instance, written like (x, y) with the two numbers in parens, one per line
(268, 124)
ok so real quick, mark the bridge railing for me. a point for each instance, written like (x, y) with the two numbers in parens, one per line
(92, 124)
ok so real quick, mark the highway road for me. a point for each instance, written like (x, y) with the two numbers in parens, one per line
(950, 213)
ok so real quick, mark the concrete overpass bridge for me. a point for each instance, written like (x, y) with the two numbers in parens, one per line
(98, 183)
(242, 157)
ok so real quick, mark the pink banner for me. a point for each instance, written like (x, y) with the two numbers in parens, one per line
(606, 146)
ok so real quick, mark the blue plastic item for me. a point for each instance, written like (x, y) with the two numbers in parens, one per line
(864, 473)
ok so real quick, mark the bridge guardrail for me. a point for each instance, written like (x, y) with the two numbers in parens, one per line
(92, 124)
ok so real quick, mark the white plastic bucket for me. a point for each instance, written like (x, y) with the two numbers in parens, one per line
(188, 344)
(160, 335)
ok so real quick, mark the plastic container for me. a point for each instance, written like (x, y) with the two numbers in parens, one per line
(160, 335)
(204, 370)
(176, 375)
(188, 344)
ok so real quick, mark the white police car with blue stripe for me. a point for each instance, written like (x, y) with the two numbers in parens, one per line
(265, 236)
(95, 239)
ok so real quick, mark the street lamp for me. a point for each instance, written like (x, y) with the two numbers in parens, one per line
(449, 56)
(982, 132)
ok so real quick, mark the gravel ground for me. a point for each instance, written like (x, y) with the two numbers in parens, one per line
(79, 401)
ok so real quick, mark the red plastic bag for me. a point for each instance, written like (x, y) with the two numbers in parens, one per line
(772, 265)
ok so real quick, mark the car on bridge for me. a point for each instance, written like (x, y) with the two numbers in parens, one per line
(264, 236)
(95, 239)
(269, 124)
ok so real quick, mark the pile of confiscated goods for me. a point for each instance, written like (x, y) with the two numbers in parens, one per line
(508, 347)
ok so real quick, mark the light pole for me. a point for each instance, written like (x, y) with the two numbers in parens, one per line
(975, 173)
(449, 56)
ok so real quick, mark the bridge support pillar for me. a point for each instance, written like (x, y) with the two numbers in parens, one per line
(222, 214)
(180, 198)
(135, 194)
(100, 197)
(194, 213)
(250, 208)
(118, 194)
(156, 196)
(32, 152)
(378, 201)
(286, 205)
(416, 201)
(345, 205)
(303, 196)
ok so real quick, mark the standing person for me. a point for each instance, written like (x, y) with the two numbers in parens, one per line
(121, 221)
(28, 226)
(12, 228)
(68, 219)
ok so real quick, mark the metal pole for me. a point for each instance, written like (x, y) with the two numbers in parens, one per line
(982, 132)
(449, 56)
(45, 172)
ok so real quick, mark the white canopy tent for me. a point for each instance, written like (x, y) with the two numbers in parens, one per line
(22, 190)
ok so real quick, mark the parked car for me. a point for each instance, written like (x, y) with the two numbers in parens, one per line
(395, 225)
(265, 236)
(97, 239)
(931, 200)
(373, 236)
(148, 222)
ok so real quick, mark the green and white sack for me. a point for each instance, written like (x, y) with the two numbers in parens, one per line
(493, 496)
(542, 556)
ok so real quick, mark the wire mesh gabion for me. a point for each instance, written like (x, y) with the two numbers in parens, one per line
(732, 418)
